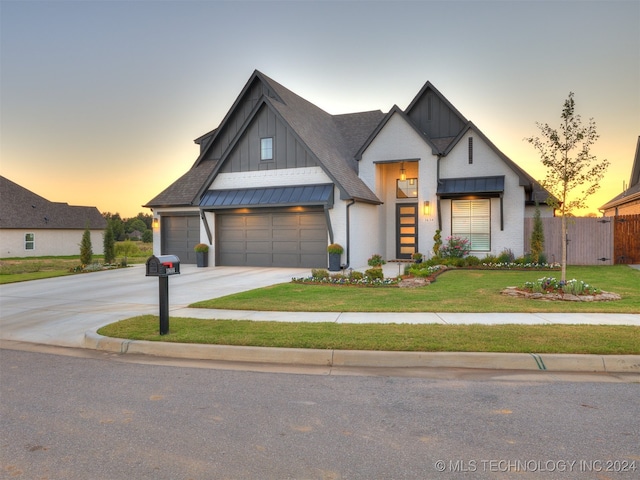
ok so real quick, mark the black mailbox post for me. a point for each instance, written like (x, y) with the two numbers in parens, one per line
(163, 267)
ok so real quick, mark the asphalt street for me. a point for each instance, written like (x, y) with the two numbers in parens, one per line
(105, 417)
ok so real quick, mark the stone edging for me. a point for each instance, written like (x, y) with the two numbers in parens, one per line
(600, 297)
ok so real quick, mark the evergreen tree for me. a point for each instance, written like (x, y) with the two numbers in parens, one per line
(109, 245)
(86, 254)
(537, 237)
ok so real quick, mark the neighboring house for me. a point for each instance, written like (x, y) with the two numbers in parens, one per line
(280, 179)
(32, 226)
(628, 202)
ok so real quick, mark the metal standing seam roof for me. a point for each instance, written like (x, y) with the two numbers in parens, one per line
(471, 185)
(268, 197)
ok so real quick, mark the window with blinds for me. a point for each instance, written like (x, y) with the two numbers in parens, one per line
(471, 219)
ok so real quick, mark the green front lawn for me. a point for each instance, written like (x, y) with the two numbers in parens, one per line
(453, 291)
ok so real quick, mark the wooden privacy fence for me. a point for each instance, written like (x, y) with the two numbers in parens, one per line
(626, 239)
(591, 241)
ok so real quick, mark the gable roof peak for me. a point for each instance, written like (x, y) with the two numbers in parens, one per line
(428, 86)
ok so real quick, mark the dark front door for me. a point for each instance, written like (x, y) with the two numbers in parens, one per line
(406, 230)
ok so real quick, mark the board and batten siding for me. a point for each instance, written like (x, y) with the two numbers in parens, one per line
(236, 121)
(287, 151)
(435, 117)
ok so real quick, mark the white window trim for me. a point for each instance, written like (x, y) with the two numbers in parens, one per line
(32, 241)
(263, 149)
(474, 224)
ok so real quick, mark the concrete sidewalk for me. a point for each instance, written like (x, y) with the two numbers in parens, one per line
(416, 318)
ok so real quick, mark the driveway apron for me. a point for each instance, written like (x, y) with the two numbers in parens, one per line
(58, 311)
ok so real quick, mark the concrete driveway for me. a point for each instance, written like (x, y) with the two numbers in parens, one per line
(58, 311)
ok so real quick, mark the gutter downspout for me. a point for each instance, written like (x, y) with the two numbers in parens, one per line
(206, 226)
(328, 220)
(348, 236)
(438, 196)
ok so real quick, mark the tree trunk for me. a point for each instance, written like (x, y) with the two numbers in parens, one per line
(563, 273)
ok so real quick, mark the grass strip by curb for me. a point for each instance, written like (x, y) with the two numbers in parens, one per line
(576, 339)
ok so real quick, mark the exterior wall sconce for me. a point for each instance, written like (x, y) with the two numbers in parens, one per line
(425, 207)
(403, 173)
(155, 223)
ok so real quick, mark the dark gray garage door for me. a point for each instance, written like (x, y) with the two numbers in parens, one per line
(179, 235)
(272, 239)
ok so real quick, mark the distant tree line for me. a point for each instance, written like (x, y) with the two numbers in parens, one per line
(134, 228)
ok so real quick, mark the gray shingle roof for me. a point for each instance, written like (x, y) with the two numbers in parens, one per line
(183, 191)
(335, 140)
(633, 192)
(21, 208)
(330, 138)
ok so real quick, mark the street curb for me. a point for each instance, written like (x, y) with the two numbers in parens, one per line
(361, 358)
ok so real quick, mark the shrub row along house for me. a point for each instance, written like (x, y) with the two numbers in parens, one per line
(31, 225)
(280, 179)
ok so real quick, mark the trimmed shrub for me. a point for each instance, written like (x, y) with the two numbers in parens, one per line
(319, 273)
(506, 256)
(490, 259)
(376, 260)
(471, 261)
(374, 273)
(355, 275)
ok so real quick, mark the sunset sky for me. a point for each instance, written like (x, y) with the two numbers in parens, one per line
(101, 100)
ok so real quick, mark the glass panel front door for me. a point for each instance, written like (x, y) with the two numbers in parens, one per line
(406, 230)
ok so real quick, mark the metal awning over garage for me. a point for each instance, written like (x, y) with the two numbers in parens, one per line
(459, 187)
(303, 195)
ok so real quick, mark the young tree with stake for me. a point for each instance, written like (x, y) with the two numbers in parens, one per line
(566, 153)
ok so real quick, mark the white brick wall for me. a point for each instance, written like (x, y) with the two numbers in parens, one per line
(398, 141)
(271, 178)
(487, 163)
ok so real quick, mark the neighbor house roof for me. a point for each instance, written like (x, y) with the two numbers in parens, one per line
(21, 208)
(633, 192)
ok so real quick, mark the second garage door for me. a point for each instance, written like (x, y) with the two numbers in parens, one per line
(272, 239)
(180, 233)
